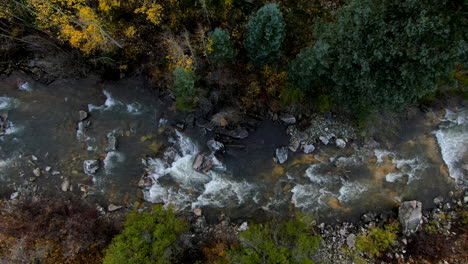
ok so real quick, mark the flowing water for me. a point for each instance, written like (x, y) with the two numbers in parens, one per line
(427, 158)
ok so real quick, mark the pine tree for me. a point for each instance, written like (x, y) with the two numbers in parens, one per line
(265, 34)
(220, 48)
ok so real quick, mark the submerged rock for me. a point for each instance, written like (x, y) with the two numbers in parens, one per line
(214, 145)
(410, 216)
(90, 167)
(282, 154)
(4, 123)
(238, 133)
(111, 142)
(202, 163)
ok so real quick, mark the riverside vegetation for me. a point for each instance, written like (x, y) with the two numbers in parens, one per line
(354, 58)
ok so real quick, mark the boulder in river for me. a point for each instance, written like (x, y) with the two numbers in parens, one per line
(90, 167)
(214, 145)
(82, 115)
(202, 163)
(410, 216)
(145, 182)
(282, 154)
(238, 133)
(197, 212)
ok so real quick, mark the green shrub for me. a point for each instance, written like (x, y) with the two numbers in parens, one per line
(382, 53)
(184, 89)
(378, 240)
(265, 33)
(146, 238)
(291, 241)
(220, 48)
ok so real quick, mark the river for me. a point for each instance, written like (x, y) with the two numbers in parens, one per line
(426, 157)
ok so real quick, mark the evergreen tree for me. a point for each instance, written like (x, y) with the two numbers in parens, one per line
(220, 48)
(383, 53)
(265, 33)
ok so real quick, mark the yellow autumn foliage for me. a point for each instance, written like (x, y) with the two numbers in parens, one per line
(153, 12)
(108, 5)
(130, 32)
(73, 21)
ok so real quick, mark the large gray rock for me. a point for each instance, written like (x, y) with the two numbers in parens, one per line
(410, 214)
(288, 119)
(294, 145)
(282, 154)
(351, 240)
(65, 185)
(82, 115)
(113, 207)
(238, 133)
(340, 143)
(202, 163)
(308, 148)
(90, 167)
(214, 145)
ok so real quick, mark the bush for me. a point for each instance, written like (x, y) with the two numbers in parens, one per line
(265, 35)
(146, 238)
(184, 89)
(220, 48)
(291, 241)
(378, 240)
(383, 53)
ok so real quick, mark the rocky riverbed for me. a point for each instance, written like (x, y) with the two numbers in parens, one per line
(117, 142)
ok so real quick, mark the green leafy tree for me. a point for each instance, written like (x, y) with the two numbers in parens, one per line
(378, 240)
(146, 238)
(265, 33)
(277, 242)
(383, 53)
(220, 48)
(184, 88)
